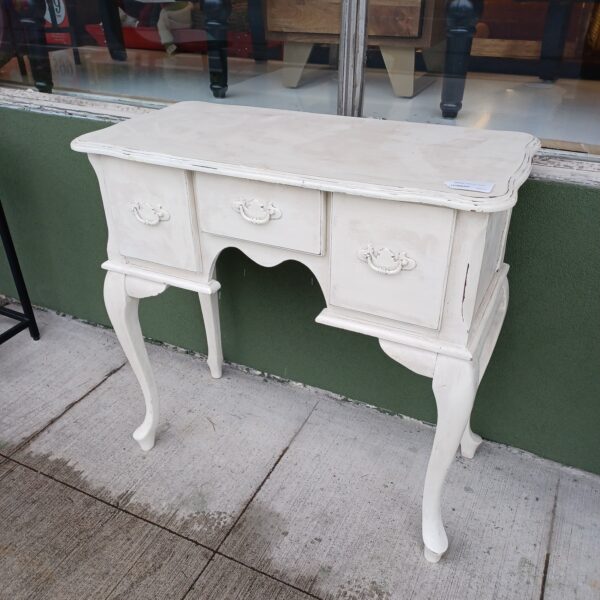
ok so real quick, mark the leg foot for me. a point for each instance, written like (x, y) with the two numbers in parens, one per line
(449, 113)
(454, 385)
(210, 313)
(469, 443)
(400, 65)
(219, 92)
(431, 556)
(122, 310)
(145, 435)
(295, 57)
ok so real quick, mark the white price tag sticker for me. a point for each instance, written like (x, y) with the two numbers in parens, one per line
(470, 186)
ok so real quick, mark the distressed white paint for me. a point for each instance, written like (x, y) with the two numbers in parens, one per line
(422, 233)
(152, 212)
(121, 296)
(364, 204)
(368, 157)
(83, 106)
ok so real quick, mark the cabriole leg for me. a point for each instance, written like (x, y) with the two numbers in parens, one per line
(454, 385)
(121, 297)
(209, 304)
(469, 442)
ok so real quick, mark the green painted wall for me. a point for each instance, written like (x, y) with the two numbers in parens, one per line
(541, 391)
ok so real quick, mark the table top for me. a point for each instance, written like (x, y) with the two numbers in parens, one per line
(468, 169)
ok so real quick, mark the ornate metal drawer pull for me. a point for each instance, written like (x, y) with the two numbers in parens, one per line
(386, 261)
(149, 215)
(256, 212)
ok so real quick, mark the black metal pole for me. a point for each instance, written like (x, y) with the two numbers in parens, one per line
(27, 318)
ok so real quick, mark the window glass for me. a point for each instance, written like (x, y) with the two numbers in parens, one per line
(252, 52)
(530, 66)
(525, 65)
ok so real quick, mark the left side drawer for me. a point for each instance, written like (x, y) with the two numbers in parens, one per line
(151, 210)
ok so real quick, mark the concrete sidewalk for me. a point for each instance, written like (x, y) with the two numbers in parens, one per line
(257, 490)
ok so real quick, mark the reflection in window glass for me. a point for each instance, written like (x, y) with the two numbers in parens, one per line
(252, 52)
(528, 65)
(532, 66)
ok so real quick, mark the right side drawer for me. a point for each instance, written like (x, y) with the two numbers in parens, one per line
(390, 258)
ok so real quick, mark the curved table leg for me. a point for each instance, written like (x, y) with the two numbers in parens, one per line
(454, 385)
(217, 14)
(469, 442)
(121, 297)
(461, 19)
(209, 304)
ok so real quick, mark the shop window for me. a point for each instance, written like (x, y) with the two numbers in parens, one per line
(526, 65)
(236, 51)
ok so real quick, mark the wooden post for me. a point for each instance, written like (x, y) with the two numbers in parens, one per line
(353, 55)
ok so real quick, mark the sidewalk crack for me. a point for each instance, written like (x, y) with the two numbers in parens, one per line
(550, 534)
(267, 476)
(53, 420)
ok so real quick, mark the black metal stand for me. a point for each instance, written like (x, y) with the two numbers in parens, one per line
(26, 319)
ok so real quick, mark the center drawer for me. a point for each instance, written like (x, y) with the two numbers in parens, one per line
(265, 213)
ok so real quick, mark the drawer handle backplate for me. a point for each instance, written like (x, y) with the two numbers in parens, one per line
(149, 215)
(386, 261)
(256, 212)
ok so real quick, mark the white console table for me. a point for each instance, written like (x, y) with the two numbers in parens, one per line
(403, 225)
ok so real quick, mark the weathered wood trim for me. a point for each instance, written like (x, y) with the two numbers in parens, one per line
(80, 105)
(566, 167)
(579, 168)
